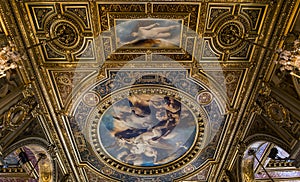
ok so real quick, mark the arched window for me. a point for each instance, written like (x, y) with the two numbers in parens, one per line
(30, 163)
(265, 161)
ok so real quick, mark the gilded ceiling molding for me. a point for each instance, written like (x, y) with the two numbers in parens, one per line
(32, 140)
(269, 138)
(201, 174)
(92, 175)
(274, 10)
(38, 85)
(297, 85)
(13, 173)
(67, 26)
(89, 76)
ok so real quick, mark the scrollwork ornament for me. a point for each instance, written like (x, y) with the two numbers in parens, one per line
(227, 35)
(15, 116)
(52, 150)
(265, 90)
(36, 112)
(225, 178)
(28, 92)
(66, 34)
(278, 114)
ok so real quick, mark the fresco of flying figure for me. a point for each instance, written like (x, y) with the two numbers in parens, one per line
(155, 33)
(147, 130)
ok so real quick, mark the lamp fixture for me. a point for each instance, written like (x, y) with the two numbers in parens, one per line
(289, 60)
(9, 57)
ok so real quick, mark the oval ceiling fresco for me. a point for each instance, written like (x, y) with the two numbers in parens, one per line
(146, 127)
(144, 123)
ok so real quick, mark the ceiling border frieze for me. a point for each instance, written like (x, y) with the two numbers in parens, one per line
(41, 90)
(245, 107)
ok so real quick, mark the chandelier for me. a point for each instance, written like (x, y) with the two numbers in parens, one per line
(289, 60)
(9, 58)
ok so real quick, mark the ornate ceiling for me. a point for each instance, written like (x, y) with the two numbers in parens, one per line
(147, 90)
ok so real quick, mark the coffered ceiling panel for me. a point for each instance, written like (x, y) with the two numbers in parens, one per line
(242, 20)
(68, 26)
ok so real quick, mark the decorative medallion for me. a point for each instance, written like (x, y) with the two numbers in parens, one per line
(188, 169)
(107, 171)
(228, 33)
(147, 130)
(147, 125)
(91, 99)
(204, 98)
(277, 112)
(67, 34)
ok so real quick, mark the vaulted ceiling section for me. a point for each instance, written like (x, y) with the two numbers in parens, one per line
(146, 90)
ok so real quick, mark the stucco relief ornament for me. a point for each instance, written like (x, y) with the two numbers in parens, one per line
(279, 114)
(52, 150)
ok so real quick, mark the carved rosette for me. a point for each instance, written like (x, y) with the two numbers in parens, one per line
(228, 32)
(204, 98)
(66, 34)
(91, 99)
